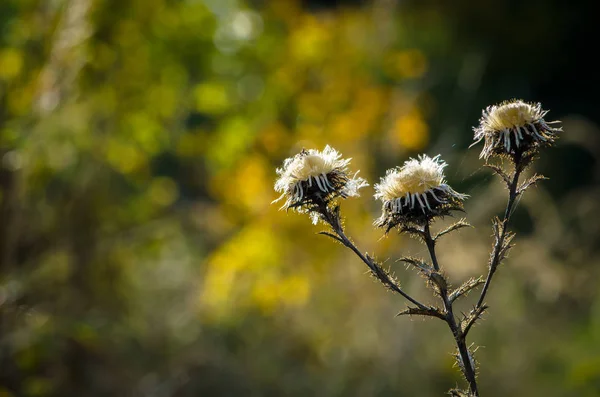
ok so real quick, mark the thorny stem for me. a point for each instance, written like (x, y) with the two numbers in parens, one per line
(512, 196)
(334, 221)
(459, 336)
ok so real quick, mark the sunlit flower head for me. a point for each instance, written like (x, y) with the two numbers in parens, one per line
(514, 127)
(311, 179)
(415, 193)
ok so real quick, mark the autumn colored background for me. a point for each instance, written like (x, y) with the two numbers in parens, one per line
(139, 252)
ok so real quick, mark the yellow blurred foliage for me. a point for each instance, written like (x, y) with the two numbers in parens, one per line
(231, 140)
(11, 63)
(409, 64)
(163, 100)
(124, 156)
(191, 144)
(212, 98)
(270, 293)
(311, 107)
(146, 132)
(246, 271)
(412, 132)
(20, 101)
(310, 40)
(274, 138)
(163, 191)
(247, 187)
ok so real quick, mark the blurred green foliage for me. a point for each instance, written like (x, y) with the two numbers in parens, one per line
(139, 252)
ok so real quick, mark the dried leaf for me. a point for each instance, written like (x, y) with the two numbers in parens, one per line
(506, 246)
(420, 264)
(386, 277)
(465, 288)
(455, 226)
(428, 311)
(437, 279)
(333, 237)
(469, 320)
(460, 393)
(497, 226)
(530, 182)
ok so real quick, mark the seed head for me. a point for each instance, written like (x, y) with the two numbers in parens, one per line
(310, 180)
(415, 193)
(514, 128)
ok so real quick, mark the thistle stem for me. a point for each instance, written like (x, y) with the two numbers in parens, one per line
(512, 196)
(333, 219)
(459, 336)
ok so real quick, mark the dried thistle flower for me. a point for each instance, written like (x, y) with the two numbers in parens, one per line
(514, 127)
(415, 193)
(312, 179)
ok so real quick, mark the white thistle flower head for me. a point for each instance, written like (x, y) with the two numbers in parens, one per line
(416, 193)
(514, 128)
(309, 180)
